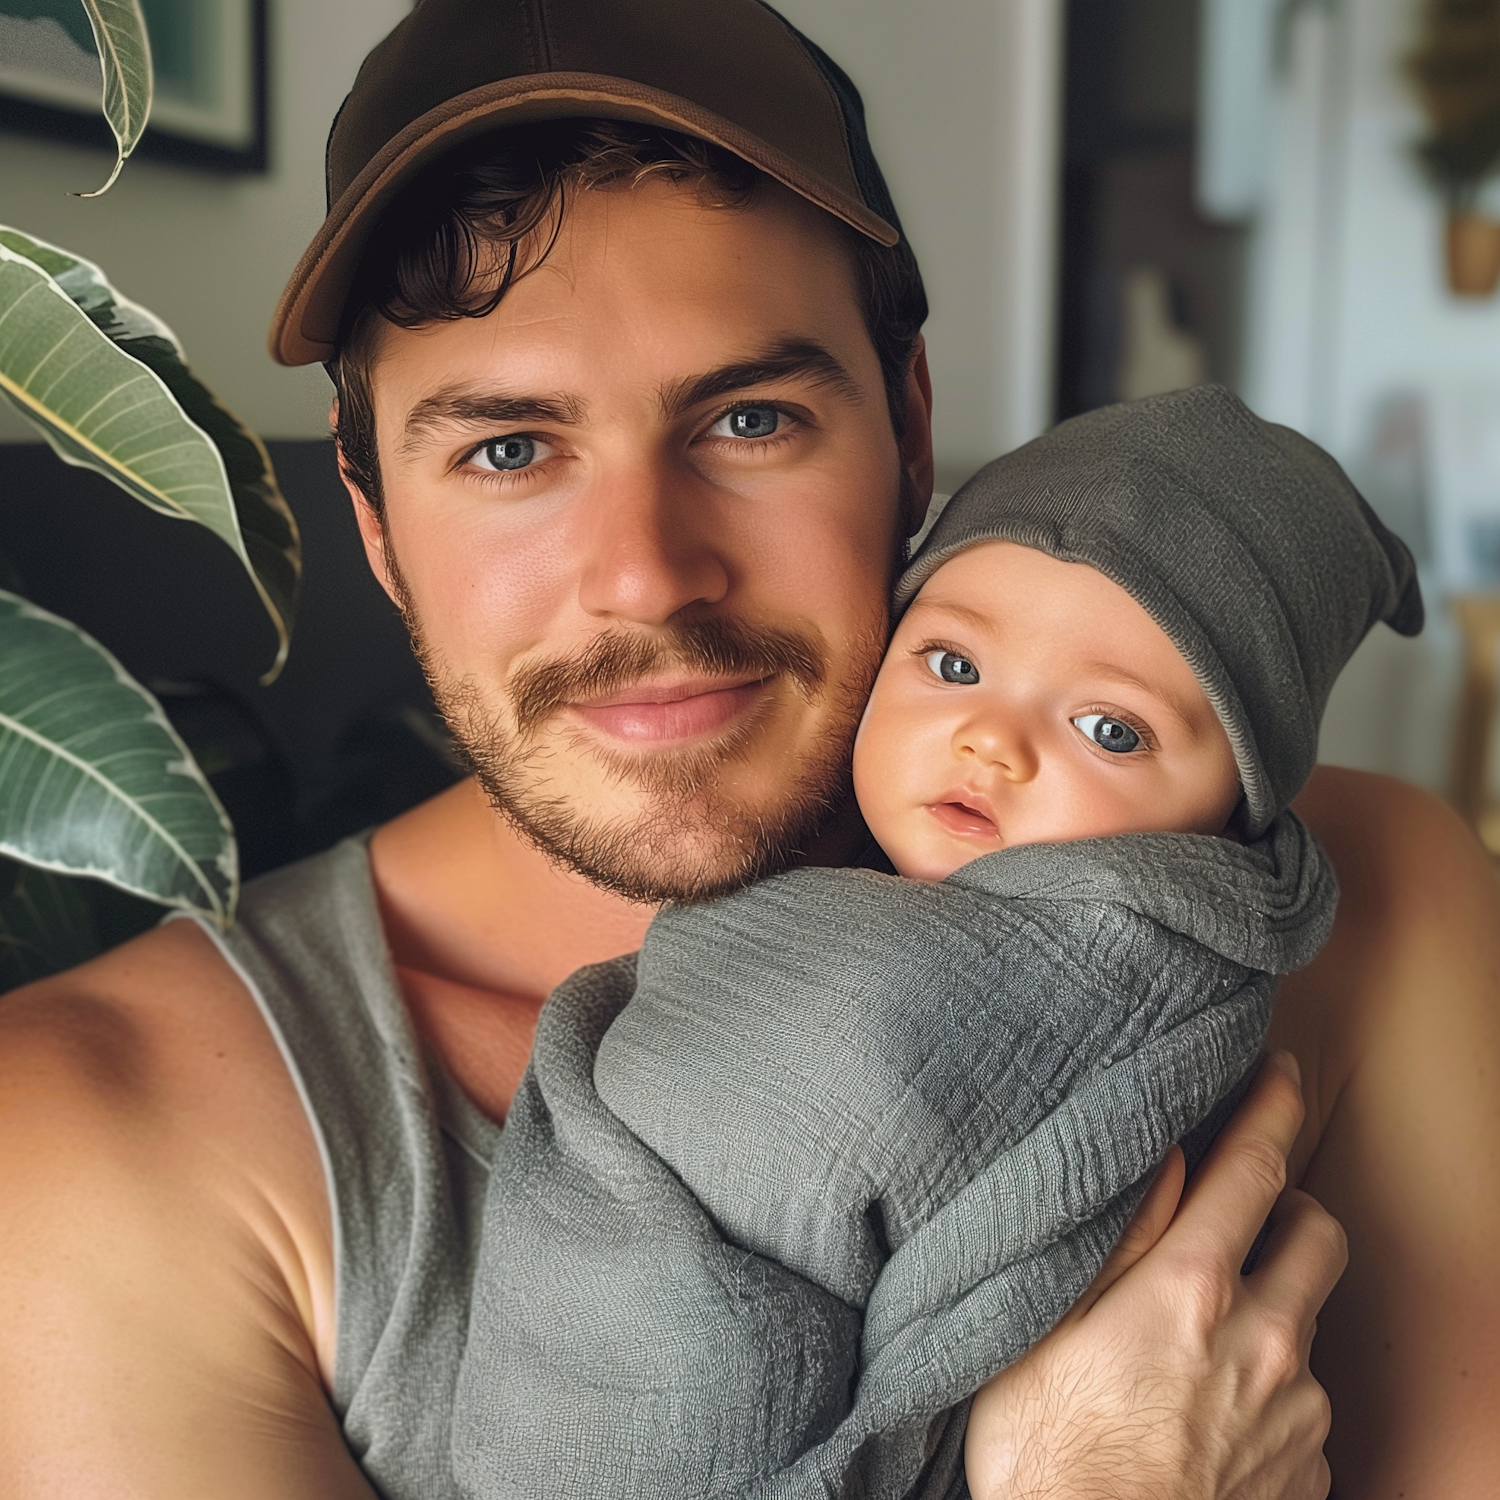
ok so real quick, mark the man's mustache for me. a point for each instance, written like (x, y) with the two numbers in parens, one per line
(717, 647)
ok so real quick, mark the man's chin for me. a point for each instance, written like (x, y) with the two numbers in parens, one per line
(682, 848)
(684, 825)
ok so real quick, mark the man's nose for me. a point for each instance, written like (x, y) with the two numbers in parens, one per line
(999, 743)
(648, 550)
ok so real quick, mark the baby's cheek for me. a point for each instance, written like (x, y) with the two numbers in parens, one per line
(882, 767)
(869, 782)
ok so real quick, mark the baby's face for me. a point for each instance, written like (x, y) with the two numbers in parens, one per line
(1025, 701)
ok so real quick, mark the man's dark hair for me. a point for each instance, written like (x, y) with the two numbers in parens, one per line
(456, 241)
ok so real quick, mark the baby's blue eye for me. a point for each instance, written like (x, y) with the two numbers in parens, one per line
(952, 667)
(1109, 733)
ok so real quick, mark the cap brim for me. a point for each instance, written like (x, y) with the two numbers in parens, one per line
(305, 328)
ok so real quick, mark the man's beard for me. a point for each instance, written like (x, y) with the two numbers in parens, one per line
(688, 839)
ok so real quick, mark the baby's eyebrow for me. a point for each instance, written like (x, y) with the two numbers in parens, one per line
(1164, 696)
(977, 618)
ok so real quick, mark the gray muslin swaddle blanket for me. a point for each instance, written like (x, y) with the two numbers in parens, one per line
(778, 1195)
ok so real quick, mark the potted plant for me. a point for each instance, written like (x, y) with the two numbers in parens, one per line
(1455, 69)
(95, 785)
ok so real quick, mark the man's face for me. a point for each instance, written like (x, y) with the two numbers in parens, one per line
(642, 519)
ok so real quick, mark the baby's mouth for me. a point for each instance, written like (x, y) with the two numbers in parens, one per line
(965, 816)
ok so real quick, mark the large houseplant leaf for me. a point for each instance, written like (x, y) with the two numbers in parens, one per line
(96, 780)
(125, 61)
(108, 386)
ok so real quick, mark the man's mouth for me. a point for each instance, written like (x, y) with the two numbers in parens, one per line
(968, 814)
(669, 711)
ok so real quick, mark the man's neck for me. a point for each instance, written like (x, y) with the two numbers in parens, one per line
(482, 926)
(464, 897)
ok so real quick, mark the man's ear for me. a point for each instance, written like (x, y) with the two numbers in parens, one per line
(916, 443)
(371, 527)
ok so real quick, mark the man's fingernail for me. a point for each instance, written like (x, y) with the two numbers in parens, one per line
(1286, 1063)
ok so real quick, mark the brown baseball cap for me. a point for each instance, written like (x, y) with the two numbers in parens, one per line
(732, 72)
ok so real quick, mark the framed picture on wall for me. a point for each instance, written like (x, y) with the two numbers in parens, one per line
(210, 63)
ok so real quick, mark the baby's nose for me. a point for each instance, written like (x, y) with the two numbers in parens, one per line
(1000, 745)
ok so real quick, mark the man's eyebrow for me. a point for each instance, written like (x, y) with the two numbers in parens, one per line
(786, 359)
(460, 407)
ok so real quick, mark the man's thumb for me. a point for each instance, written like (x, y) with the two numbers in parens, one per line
(1141, 1233)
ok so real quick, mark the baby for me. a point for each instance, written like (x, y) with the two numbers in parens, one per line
(781, 1191)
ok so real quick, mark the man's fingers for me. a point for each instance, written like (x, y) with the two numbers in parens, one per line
(1145, 1228)
(1304, 1256)
(1234, 1190)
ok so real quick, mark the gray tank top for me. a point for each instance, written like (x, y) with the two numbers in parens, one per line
(406, 1157)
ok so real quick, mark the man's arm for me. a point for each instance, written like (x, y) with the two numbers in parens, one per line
(164, 1242)
(1176, 1376)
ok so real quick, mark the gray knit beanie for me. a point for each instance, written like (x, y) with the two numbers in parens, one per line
(1244, 541)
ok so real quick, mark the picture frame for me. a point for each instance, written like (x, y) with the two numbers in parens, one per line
(210, 64)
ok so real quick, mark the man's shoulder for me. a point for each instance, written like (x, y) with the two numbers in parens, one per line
(122, 1028)
(147, 1079)
(165, 1239)
(1335, 790)
(1415, 946)
(112, 1034)
(1390, 841)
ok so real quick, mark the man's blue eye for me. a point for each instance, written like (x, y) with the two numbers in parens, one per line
(1110, 734)
(753, 421)
(952, 667)
(509, 453)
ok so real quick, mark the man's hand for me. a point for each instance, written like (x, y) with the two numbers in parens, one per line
(1175, 1376)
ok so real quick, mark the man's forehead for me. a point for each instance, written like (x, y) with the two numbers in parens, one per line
(647, 287)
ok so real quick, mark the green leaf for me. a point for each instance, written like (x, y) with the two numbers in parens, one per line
(96, 781)
(125, 61)
(108, 385)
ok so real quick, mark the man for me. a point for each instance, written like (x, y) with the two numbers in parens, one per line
(634, 426)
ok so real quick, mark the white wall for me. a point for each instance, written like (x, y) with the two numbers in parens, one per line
(962, 99)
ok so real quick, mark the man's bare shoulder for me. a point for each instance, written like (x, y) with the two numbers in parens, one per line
(1417, 931)
(147, 1080)
(115, 1037)
(1417, 891)
(1402, 1010)
(1385, 833)
(155, 1056)
(159, 1032)
(165, 1244)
